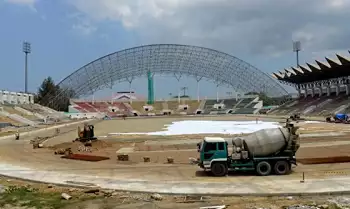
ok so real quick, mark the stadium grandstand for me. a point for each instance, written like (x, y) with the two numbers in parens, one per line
(323, 88)
(176, 60)
(18, 110)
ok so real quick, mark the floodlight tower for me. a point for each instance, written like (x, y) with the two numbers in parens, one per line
(26, 50)
(296, 49)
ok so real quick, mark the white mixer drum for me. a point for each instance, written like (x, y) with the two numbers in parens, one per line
(266, 142)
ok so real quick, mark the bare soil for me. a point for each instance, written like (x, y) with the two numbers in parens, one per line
(158, 152)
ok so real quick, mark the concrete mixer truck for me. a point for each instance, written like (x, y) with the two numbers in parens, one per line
(266, 151)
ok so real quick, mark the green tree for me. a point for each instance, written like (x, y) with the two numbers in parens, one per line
(51, 95)
(47, 90)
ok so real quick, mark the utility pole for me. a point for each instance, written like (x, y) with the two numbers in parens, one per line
(184, 89)
(26, 50)
(297, 49)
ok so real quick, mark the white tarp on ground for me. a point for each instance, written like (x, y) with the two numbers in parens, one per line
(209, 127)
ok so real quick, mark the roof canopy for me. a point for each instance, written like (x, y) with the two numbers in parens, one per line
(171, 59)
(332, 68)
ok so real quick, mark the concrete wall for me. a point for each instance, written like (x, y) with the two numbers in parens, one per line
(84, 115)
(16, 97)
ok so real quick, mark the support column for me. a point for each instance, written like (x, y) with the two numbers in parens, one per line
(347, 86)
(320, 91)
(337, 89)
(130, 83)
(112, 98)
(328, 90)
(305, 92)
(217, 92)
(312, 91)
(150, 88)
(179, 88)
(299, 91)
(198, 79)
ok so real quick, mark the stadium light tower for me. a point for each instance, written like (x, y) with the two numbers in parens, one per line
(296, 49)
(26, 50)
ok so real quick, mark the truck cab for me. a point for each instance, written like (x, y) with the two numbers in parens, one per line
(213, 150)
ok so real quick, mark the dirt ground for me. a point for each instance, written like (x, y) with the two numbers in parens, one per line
(25, 195)
(159, 148)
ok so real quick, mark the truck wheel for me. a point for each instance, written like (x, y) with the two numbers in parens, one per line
(263, 168)
(282, 168)
(219, 169)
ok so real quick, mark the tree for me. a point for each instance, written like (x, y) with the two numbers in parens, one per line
(49, 92)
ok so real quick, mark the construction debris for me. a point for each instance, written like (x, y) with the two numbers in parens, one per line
(157, 197)
(37, 145)
(66, 196)
(92, 190)
(170, 160)
(123, 157)
(83, 148)
(192, 199)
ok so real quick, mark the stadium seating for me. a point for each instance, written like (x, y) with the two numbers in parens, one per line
(244, 102)
(251, 105)
(230, 103)
(193, 105)
(6, 120)
(329, 108)
(245, 111)
(86, 107)
(208, 107)
(101, 107)
(138, 106)
(173, 105)
(11, 109)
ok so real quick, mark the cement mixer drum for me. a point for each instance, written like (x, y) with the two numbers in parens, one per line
(267, 141)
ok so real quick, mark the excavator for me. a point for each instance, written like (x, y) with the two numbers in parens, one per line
(87, 134)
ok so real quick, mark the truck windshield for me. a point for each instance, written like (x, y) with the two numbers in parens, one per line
(200, 146)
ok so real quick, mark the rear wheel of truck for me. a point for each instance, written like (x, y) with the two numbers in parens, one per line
(282, 167)
(219, 169)
(263, 168)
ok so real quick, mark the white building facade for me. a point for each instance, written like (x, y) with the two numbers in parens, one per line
(7, 97)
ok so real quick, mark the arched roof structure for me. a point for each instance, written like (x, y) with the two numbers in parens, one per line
(176, 60)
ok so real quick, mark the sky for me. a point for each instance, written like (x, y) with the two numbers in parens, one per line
(67, 34)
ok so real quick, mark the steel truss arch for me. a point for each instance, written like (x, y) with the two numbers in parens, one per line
(170, 59)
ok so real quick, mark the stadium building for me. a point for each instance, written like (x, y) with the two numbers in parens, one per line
(323, 87)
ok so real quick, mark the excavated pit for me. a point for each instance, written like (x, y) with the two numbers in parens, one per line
(324, 160)
(90, 158)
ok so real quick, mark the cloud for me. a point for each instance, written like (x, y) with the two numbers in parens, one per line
(84, 26)
(28, 3)
(265, 27)
(22, 2)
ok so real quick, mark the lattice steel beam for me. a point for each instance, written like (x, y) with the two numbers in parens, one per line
(171, 59)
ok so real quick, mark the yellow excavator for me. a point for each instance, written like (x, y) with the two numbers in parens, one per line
(87, 134)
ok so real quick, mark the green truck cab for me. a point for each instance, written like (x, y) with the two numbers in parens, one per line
(215, 157)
